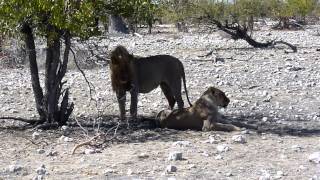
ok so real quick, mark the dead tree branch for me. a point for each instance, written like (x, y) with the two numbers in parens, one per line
(241, 32)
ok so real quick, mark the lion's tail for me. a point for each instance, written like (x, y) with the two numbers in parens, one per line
(184, 84)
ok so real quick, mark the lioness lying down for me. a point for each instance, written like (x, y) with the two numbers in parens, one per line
(203, 115)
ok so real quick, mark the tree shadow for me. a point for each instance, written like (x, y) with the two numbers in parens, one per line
(293, 127)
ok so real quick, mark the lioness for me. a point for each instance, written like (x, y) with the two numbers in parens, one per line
(142, 75)
(203, 115)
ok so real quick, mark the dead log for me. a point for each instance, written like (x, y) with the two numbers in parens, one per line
(236, 31)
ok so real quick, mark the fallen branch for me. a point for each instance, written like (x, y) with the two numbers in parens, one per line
(30, 121)
(236, 31)
(85, 143)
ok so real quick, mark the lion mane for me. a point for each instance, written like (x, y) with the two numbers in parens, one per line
(121, 72)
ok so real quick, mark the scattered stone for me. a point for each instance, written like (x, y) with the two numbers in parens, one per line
(41, 151)
(129, 172)
(171, 169)
(89, 151)
(38, 177)
(245, 131)
(14, 168)
(296, 148)
(265, 176)
(223, 148)
(239, 139)
(65, 130)
(175, 156)
(65, 139)
(52, 153)
(143, 156)
(213, 140)
(279, 175)
(229, 174)
(218, 157)
(41, 170)
(265, 119)
(182, 144)
(35, 135)
(315, 157)
(192, 166)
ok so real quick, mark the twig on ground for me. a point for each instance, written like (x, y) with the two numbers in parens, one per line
(30, 121)
(85, 143)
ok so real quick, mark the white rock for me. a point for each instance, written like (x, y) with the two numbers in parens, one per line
(315, 157)
(89, 151)
(65, 139)
(296, 148)
(239, 139)
(41, 170)
(182, 144)
(218, 157)
(14, 168)
(129, 172)
(65, 129)
(265, 176)
(52, 153)
(38, 177)
(265, 119)
(35, 135)
(175, 156)
(223, 148)
(171, 168)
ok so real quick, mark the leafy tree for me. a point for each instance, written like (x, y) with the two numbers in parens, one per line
(56, 22)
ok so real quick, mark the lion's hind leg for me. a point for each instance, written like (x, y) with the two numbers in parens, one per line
(168, 94)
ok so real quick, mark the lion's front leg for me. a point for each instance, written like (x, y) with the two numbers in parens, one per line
(121, 96)
(134, 103)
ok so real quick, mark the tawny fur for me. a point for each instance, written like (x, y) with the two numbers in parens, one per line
(203, 115)
(142, 75)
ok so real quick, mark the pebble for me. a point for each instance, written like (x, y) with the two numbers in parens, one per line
(65, 139)
(223, 148)
(41, 170)
(315, 157)
(143, 156)
(171, 169)
(89, 151)
(52, 153)
(14, 168)
(65, 130)
(218, 157)
(182, 144)
(175, 156)
(41, 151)
(296, 148)
(35, 135)
(239, 139)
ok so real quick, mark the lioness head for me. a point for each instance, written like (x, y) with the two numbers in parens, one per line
(216, 96)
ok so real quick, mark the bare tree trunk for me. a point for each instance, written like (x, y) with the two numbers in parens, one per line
(37, 91)
(48, 103)
(117, 25)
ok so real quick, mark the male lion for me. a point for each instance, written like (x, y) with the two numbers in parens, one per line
(142, 75)
(203, 115)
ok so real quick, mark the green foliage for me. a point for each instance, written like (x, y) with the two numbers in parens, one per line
(290, 8)
(134, 10)
(76, 17)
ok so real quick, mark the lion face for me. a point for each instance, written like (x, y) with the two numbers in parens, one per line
(218, 97)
